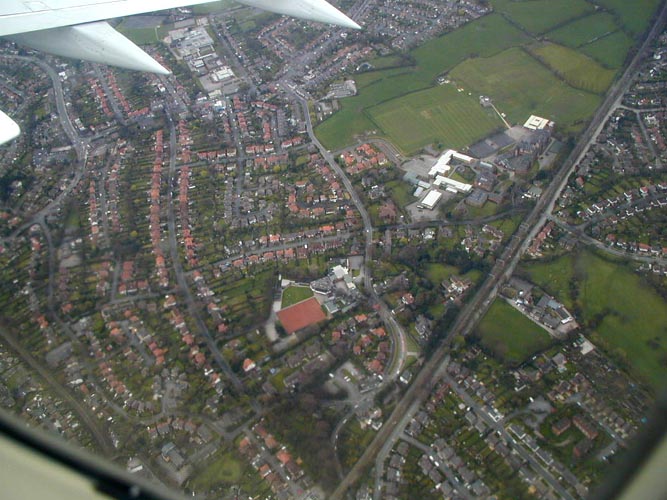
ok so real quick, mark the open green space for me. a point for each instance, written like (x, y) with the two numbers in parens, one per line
(208, 8)
(578, 70)
(387, 62)
(438, 115)
(486, 36)
(485, 210)
(144, 36)
(634, 15)
(610, 50)
(555, 277)
(540, 16)
(437, 273)
(584, 30)
(247, 300)
(294, 294)
(352, 441)
(511, 336)
(508, 225)
(521, 86)
(404, 105)
(619, 310)
(225, 469)
(400, 192)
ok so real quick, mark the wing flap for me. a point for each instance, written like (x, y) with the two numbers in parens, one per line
(20, 16)
(311, 10)
(95, 42)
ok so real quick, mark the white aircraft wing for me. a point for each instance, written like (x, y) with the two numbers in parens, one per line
(76, 28)
(8, 128)
(20, 16)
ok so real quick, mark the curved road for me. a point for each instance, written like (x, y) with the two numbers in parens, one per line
(399, 348)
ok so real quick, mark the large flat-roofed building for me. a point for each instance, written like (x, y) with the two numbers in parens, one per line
(452, 185)
(442, 166)
(538, 123)
(430, 200)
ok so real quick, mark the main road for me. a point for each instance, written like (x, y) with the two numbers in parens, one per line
(503, 268)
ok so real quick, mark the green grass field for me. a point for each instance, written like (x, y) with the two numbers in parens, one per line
(144, 36)
(584, 30)
(477, 55)
(437, 272)
(576, 69)
(540, 16)
(634, 15)
(225, 470)
(610, 50)
(437, 115)
(387, 62)
(511, 336)
(486, 36)
(401, 192)
(626, 317)
(212, 7)
(554, 277)
(295, 294)
(521, 86)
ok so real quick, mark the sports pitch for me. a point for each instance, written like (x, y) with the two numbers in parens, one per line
(438, 115)
(521, 86)
(490, 56)
(486, 36)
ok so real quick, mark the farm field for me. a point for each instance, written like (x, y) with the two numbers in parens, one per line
(621, 313)
(478, 55)
(510, 335)
(437, 115)
(634, 15)
(576, 69)
(610, 50)
(540, 16)
(584, 30)
(485, 36)
(521, 86)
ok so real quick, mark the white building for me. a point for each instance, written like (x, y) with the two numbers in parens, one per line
(538, 123)
(442, 165)
(430, 200)
(452, 185)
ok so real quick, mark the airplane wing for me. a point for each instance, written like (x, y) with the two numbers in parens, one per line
(8, 128)
(76, 28)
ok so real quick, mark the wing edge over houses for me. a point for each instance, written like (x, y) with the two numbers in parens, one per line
(76, 29)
